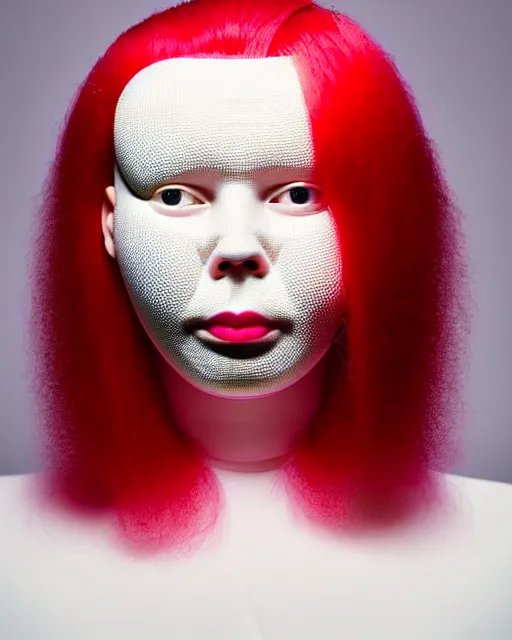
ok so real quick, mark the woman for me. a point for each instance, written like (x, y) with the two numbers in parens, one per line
(265, 157)
(248, 260)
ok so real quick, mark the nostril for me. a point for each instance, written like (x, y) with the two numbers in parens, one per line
(252, 265)
(224, 265)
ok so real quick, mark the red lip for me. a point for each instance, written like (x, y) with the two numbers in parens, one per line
(247, 326)
(239, 327)
(245, 319)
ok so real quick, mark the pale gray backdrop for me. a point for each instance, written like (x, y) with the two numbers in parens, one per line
(456, 54)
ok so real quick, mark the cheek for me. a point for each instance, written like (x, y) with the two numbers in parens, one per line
(159, 265)
(311, 267)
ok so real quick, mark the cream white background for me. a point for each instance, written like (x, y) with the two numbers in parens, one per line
(456, 55)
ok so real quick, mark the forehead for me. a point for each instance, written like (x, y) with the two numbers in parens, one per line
(231, 115)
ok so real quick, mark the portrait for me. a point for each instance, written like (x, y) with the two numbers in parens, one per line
(247, 253)
(250, 316)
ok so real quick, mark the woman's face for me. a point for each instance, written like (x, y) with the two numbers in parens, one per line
(216, 213)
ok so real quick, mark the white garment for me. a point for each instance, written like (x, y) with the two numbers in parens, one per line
(265, 577)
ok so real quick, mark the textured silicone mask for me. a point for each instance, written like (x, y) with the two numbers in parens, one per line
(231, 133)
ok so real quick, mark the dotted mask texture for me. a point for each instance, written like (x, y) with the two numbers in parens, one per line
(230, 128)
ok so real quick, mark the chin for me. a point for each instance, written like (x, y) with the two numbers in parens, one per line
(249, 371)
(237, 388)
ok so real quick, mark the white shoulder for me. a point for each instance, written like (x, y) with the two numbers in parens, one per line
(488, 502)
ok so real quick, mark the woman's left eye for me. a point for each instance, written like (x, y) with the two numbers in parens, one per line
(297, 195)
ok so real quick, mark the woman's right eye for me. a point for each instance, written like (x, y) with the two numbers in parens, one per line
(177, 197)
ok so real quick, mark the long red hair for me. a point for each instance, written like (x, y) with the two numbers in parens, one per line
(394, 399)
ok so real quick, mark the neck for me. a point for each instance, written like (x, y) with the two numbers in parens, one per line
(246, 434)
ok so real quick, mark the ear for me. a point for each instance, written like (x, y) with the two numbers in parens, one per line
(107, 220)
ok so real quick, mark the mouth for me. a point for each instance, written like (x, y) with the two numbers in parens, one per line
(234, 331)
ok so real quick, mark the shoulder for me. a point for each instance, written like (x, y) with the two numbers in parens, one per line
(59, 573)
(12, 485)
(446, 576)
(486, 503)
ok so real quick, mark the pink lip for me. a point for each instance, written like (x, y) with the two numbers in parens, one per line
(247, 318)
(241, 327)
(238, 334)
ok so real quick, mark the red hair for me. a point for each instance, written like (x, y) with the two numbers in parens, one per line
(394, 390)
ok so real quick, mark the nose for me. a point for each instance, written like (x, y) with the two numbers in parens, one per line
(238, 251)
(238, 265)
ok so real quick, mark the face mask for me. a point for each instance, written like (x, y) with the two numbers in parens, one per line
(227, 250)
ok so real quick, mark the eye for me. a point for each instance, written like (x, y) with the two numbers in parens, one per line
(298, 198)
(177, 197)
